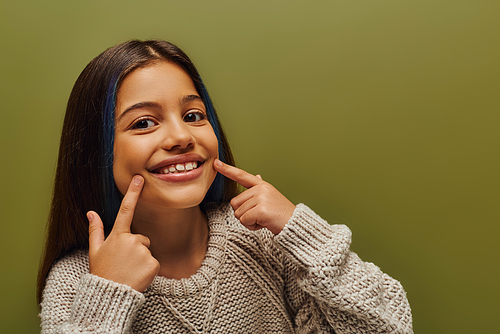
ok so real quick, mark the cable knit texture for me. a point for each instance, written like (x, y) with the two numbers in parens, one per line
(304, 280)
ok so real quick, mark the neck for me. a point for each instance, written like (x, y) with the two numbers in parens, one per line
(179, 238)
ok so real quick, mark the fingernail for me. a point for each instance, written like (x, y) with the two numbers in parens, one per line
(218, 163)
(90, 216)
(137, 180)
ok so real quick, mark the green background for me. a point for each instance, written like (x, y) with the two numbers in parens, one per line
(383, 115)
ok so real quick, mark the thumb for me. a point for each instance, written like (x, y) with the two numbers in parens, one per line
(96, 232)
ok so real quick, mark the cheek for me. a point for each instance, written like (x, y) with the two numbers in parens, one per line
(120, 175)
(212, 144)
(125, 164)
(215, 150)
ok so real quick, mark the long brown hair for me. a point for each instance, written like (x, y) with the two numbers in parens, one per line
(84, 179)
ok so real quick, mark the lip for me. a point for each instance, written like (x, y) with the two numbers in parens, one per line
(178, 159)
(181, 177)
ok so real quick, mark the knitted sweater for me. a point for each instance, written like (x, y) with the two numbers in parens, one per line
(303, 280)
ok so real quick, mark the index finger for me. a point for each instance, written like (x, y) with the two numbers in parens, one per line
(126, 213)
(244, 178)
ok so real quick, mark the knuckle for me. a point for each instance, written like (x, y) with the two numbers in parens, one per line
(93, 228)
(266, 186)
(138, 239)
(234, 203)
(245, 220)
(145, 252)
(145, 256)
(155, 264)
(131, 241)
(125, 207)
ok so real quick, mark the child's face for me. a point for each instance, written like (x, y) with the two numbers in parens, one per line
(162, 128)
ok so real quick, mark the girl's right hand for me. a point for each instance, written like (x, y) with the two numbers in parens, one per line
(123, 257)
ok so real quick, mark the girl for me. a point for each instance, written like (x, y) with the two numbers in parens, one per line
(148, 233)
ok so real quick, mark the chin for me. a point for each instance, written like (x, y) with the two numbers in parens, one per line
(181, 201)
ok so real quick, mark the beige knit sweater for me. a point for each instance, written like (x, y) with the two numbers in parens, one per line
(304, 280)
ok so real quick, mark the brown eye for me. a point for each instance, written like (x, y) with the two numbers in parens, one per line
(193, 117)
(143, 124)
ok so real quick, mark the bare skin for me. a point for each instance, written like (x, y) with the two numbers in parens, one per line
(261, 205)
(175, 249)
(179, 239)
(160, 229)
(127, 256)
(123, 257)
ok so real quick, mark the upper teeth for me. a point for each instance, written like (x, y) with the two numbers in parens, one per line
(177, 168)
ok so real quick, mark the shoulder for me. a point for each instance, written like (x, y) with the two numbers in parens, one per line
(73, 264)
(65, 274)
(60, 289)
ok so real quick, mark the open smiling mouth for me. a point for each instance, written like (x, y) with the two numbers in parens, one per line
(178, 168)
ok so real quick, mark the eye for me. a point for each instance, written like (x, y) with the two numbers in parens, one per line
(192, 116)
(143, 124)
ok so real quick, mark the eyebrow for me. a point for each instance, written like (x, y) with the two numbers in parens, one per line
(189, 98)
(155, 105)
(146, 104)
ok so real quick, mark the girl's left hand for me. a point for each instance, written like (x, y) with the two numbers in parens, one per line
(261, 205)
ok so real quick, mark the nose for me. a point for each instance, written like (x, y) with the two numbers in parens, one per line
(178, 136)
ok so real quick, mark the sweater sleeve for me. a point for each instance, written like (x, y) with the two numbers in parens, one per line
(79, 302)
(338, 290)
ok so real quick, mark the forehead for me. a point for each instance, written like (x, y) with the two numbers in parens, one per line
(162, 82)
